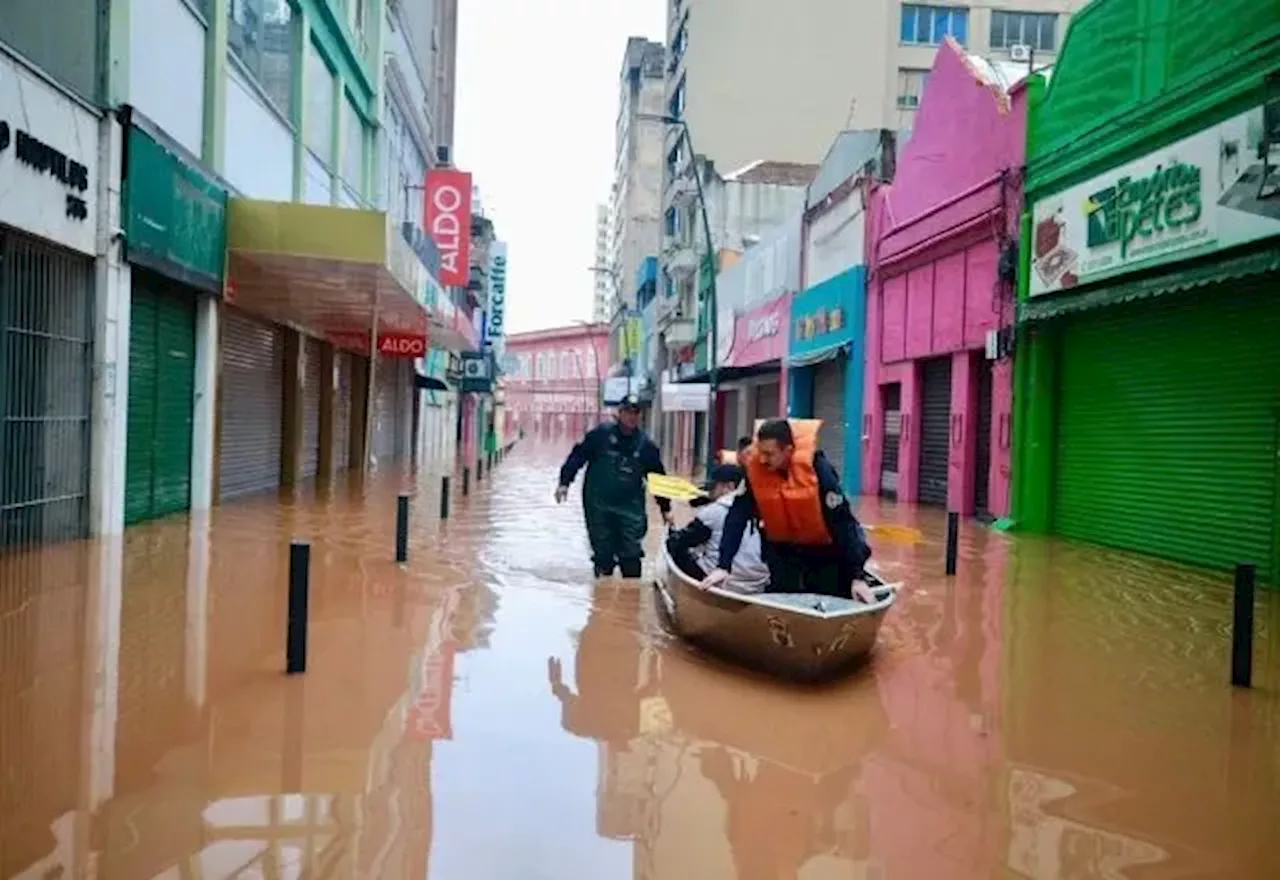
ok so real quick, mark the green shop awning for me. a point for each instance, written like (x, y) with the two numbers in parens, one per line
(1180, 278)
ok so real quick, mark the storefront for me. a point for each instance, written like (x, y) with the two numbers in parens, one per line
(826, 367)
(48, 235)
(751, 356)
(939, 383)
(306, 404)
(174, 219)
(1149, 371)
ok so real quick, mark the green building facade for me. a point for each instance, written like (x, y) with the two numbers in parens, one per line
(1147, 389)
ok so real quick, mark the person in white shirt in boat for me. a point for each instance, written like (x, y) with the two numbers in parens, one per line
(695, 549)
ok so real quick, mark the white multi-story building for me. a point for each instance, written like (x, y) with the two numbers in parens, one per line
(602, 302)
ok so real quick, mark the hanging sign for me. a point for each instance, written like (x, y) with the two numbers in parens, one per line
(390, 345)
(447, 216)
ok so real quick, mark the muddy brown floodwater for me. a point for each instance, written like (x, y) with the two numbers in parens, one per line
(1053, 712)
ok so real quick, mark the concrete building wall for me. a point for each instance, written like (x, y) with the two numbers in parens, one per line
(602, 299)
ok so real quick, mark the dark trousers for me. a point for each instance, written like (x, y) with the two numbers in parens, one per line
(617, 536)
(801, 570)
(684, 561)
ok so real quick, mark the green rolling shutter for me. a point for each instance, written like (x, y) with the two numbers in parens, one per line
(1168, 427)
(162, 343)
(143, 373)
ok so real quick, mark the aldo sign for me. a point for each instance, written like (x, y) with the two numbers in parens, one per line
(447, 218)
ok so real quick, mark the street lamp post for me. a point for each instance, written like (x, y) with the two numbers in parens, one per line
(713, 367)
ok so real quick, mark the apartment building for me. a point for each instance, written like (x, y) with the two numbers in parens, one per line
(602, 301)
(637, 168)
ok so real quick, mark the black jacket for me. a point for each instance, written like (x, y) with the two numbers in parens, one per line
(846, 534)
(596, 442)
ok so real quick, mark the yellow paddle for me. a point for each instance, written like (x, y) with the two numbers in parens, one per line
(680, 489)
(673, 488)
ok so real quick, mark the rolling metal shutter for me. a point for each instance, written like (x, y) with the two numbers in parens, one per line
(935, 430)
(1168, 425)
(891, 396)
(162, 355)
(766, 401)
(728, 427)
(252, 405)
(46, 362)
(342, 413)
(828, 405)
(982, 458)
(386, 411)
(313, 378)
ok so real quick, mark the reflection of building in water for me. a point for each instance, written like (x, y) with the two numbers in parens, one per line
(1046, 847)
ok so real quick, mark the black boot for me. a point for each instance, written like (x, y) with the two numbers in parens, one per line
(603, 571)
(630, 567)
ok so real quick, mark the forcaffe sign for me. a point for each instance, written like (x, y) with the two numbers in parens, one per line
(48, 161)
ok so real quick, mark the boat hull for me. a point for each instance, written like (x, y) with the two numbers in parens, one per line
(799, 636)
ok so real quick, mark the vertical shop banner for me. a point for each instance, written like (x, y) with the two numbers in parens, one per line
(447, 217)
(495, 334)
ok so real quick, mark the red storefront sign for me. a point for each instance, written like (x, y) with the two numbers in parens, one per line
(761, 335)
(447, 217)
(390, 345)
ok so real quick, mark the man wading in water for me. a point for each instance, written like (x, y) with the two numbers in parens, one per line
(618, 456)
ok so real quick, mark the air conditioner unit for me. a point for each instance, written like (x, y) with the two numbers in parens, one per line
(1020, 52)
(475, 368)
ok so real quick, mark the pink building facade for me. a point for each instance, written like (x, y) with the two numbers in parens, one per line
(937, 425)
(554, 380)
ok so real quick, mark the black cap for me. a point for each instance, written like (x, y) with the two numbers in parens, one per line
(725, 473)
(629, 402)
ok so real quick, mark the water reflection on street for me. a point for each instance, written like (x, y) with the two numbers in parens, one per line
(486, 712)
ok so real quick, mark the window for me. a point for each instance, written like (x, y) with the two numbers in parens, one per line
(675, 107)
(63, 39)
(930, 25)
(354, 140)
(317, 122)
(910, 87)
(671, 222)
(1039, 30)
(260, 36)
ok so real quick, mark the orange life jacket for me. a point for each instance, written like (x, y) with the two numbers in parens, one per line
(790, 504)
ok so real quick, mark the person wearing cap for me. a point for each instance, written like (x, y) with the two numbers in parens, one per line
(695, 549)
(618, 456)
(812, 541)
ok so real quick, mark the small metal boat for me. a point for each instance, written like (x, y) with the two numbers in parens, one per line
(799, 636)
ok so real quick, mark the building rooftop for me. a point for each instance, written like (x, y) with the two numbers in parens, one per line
(777, 173)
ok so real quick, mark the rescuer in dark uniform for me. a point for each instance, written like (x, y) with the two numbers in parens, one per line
(618, 456)
(811, 541)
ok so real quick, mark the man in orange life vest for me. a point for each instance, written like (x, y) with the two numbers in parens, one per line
(812, 542)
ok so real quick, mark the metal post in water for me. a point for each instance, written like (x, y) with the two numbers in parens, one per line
(479, 469)
(299, 597)
(444, 497)
(402, 528)
(466, 481)
(953, 540)
(1242, 626)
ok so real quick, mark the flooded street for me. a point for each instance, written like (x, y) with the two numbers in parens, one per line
(1053, 712)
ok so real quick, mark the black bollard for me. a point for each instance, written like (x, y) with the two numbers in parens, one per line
(953, 540)
(402, 528)
(479, 469)
(466, 481)
(444, 497)
(1242, 626)
(295, 649)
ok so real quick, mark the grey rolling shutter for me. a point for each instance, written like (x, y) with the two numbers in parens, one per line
(311, 407)
(935, 430)
(342, 412)
(252, 407)
(891, 395)
(828, 405)
(766, 401)
(384, 411)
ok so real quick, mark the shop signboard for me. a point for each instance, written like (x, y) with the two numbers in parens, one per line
(390, 345)
(495, 328)
(760, 335)
(447, 218)
(822, 317)
(686, 397)
(1212, 190)
(48, 161)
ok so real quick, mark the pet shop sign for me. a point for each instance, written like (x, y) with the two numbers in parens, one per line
(1201, 194)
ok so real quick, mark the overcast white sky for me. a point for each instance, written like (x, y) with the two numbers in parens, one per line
(536, 103)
